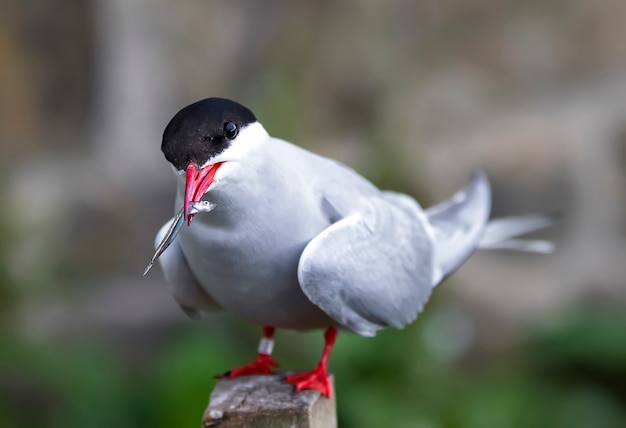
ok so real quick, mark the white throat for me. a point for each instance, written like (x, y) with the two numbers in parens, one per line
(243, 176)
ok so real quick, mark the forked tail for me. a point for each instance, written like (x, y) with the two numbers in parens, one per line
(460, 225)
(501, 233)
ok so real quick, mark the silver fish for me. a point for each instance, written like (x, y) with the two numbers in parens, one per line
(174, 230)
(201, 207)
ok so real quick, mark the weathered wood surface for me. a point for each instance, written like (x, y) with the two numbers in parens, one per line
(267, 402)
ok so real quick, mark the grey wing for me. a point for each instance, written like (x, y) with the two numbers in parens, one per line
(459, 224)
(187, 292)
(374, 267)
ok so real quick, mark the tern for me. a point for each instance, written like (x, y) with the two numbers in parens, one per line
(293, 240)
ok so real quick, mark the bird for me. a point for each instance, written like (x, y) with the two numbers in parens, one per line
(298, 241)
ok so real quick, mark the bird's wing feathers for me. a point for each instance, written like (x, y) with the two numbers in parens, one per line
(373, 267)
(459, 224)
(189, 294)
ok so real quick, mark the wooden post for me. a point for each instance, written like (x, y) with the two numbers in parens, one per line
(267, 402)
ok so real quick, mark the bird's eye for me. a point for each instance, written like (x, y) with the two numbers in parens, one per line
(230, 130)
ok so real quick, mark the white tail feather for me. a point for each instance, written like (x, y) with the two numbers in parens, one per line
(500, 232)
(530, 245)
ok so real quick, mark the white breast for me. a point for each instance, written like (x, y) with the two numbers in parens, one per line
(245, 253)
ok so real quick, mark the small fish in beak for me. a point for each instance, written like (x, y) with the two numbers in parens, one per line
(201, 207)
(177, 224)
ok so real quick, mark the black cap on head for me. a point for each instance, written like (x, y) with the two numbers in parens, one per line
(203, 130)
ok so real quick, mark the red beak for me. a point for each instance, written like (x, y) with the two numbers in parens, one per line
(197, 184)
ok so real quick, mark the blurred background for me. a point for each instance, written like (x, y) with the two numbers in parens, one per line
(414, 95)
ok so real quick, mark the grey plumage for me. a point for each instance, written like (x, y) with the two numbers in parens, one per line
(373, 268)
(299, 241)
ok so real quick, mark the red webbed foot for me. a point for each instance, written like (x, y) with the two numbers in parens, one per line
(316, 380)
(263, 364)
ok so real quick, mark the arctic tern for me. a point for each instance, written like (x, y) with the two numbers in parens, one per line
(298, 241)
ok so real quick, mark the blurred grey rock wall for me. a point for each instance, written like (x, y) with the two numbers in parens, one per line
(415, 95)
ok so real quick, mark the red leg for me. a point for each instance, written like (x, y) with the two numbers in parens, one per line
(264, 362)
(317, 378)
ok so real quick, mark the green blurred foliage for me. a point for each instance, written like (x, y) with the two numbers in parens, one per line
(569, 375)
